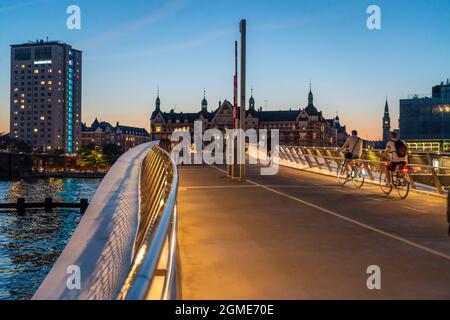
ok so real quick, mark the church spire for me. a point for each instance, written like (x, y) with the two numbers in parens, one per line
(204, 101)
(310, 95)
(158, 102)
(252, 102)
(386, 122)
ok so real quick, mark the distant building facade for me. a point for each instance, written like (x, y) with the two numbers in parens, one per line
(305, 127)
(425, 122)
(101, 133)
(46, 95)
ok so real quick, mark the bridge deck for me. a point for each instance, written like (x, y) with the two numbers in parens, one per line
(298, 235)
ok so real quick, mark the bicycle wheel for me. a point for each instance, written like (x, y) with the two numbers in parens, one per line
(403, 186)
(342, 175)
(358, 177)
(383, 183)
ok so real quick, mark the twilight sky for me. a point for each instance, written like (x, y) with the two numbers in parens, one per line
(130, 47)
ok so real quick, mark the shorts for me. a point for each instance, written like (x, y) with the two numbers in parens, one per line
(392, 166)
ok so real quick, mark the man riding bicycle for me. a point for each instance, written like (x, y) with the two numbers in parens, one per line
(398, 156)
(354, 147)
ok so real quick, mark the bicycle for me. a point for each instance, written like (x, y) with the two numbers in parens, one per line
(400, 181)
(357, 173)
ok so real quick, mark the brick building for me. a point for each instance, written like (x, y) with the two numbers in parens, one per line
(304, 126)
(101, 133)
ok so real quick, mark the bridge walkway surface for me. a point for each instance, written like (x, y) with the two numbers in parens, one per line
(298, 235)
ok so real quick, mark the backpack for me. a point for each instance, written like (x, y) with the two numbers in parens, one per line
(401, 149)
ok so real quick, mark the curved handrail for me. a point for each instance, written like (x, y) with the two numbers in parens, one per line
(153, 272)
(125, 245)
(309, 157)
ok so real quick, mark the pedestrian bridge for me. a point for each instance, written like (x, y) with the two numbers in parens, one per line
(155, 231)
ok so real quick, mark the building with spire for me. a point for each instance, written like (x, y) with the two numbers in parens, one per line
(251, 102)
(386, 124)
(297, 126)
(204, 102)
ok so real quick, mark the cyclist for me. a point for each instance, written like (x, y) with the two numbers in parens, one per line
(354, 147)
(398, 156)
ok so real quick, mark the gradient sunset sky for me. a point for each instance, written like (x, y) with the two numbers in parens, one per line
(186, 46)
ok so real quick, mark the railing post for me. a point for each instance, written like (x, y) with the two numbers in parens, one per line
(367, 166)
(325, 159)
(299, 156)
(289, 154)
(411, 181)
(294, 155)
(307, 158)
(285, 154)
(437, 183)
(313, 153)
(48, 205)
(21, 206)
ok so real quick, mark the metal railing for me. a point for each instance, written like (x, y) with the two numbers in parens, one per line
(428, 172)
(154, 269)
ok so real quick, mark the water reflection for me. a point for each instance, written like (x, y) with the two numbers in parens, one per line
(30, 244)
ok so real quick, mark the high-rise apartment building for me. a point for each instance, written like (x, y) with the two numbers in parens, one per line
(46, 95)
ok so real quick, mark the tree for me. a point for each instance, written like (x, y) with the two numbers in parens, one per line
(91, 156)
(7, 142)
(111, 152)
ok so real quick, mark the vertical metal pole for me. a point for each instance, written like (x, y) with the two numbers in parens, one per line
(243, 29)
(234, 168)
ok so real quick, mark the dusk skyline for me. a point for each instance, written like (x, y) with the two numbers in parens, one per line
(186, 46)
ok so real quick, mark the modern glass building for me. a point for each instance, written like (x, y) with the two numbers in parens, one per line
(425, 122)
(45, 109)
